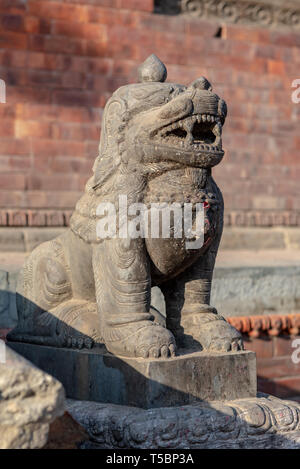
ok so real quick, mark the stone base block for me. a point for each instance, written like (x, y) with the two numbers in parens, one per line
(96, 375)
(264, 422)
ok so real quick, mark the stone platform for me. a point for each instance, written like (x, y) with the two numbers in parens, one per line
(96, 375)
(264, 422)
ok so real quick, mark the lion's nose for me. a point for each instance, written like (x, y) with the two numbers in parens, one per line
(201, 84)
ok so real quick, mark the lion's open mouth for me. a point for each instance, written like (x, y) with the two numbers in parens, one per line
(197, 132)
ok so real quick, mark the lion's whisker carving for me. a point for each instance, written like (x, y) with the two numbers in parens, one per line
(159, 142)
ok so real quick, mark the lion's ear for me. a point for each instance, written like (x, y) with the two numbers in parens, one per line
(103, 170)
(109, 159)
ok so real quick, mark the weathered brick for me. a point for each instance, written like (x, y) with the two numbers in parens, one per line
(51, 199)
(13, 40)
(14, 181)
(88, 31)
(57, 10)
(44, 147)
(11, 22)
(57, 113)
(70, 165)
(75, 132)
(32, 129)
(55, 182)
(141, 5)
(278, 367)
(287, 387)
(283, 346)
(276, 67)
(7, 128)
(263, 347)
(240, 33)
(57, 44)
(12, 198)
(13, 58)
(26, 94)
(109, 16)
(78, 98)
(13, 6)
(14, 146)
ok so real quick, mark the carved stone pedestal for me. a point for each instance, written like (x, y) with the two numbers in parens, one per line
(96, 375)
(263, 422)
(195, 400)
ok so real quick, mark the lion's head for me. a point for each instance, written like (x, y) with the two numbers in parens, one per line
(154, 126)
(148, 129)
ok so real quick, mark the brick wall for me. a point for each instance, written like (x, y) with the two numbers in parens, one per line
(276, 372)
(62, 59)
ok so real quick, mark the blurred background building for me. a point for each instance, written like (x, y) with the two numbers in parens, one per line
(61, 60)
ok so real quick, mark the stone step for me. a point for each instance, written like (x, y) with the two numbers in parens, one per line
(253, 282)
(261, 282)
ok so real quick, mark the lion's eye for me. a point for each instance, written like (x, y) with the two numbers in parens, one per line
(177, 92)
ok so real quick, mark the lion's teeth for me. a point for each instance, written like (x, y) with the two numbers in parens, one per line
(217, 130)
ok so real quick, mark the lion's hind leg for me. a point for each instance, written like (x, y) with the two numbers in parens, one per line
(47, 312)
(72, 324)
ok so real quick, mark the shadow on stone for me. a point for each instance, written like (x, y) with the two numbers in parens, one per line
(191, 401)
(97, 375)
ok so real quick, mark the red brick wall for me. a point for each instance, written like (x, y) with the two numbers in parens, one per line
(276, 372)
(62, 59)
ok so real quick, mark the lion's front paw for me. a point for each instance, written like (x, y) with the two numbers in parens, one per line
(149, 341)
(213, 333)
(156, 342)
(223, 338)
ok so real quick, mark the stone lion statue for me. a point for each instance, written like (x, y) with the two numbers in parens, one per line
(159, 142)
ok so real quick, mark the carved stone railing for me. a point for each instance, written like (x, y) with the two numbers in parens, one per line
(266, 13)
(271, 325)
